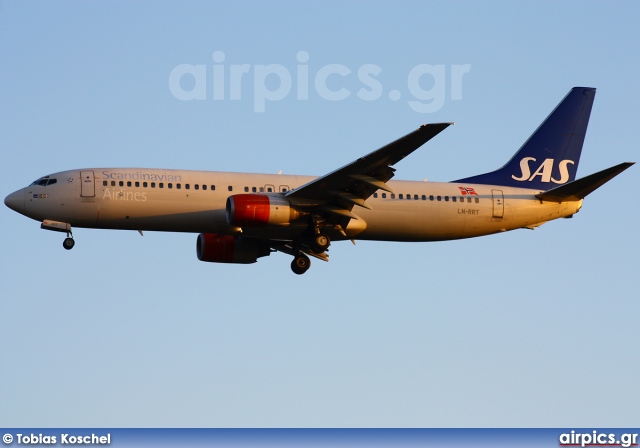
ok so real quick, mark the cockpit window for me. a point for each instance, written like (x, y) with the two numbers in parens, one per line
(44, 181)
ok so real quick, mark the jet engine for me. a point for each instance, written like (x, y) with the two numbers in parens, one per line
(259, 210)
(227, 249)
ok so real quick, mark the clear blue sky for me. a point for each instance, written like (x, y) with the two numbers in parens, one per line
(529, 328)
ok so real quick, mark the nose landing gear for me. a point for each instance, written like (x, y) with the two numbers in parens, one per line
(64, 227)
(68, 243)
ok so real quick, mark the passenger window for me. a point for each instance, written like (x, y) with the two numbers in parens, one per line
(204, 187)
(384, 195)
(400, 196)
(178, 186)
(121, 183)
(454, 199)
(254, 189)
(113, 183)
(196, 186)
(153, 185)
(144, 184)
(128, 183)
(137, 184)
(424, 197)
(375, 195)
(104, 183)
(477, 201)
(439, 198)
(408, 196)
(269, 189)
(230, 188)
(431, 198)
(213, 187)
(169, 185)
(393, 195)
(246, 189)
(415, 196)
(161, 184)
(469, 200)
(187, 186)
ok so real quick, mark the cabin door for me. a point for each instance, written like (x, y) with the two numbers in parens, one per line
(498, 203)
(87, 184)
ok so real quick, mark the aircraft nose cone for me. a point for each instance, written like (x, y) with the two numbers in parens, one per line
(15, 201)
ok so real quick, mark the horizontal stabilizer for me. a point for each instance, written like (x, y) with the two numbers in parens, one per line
(579, 189)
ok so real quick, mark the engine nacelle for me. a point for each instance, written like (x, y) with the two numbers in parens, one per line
(259, 210)
(227, 249)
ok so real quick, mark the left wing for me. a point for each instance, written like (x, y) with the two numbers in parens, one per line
(337, 192)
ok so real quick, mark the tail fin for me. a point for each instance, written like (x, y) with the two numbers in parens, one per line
(550, 156)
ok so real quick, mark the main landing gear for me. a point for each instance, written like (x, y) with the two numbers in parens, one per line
(316, 246)
(321, 242)
(300, 264)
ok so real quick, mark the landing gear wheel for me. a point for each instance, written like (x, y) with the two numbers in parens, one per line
(300, 264)
(321, 242)
(68, 243)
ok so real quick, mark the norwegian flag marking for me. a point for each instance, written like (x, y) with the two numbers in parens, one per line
(467, 191)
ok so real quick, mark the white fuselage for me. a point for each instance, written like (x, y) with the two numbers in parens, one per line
(194, 201)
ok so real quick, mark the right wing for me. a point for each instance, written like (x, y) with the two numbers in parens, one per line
(337, 192)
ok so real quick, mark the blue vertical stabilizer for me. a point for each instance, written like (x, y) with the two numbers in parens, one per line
(549, 157)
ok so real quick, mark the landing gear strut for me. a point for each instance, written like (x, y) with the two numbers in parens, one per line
(300, 264)
(320, 241)
(69, 242)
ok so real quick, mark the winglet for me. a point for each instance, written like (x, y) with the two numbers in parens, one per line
(579, 189)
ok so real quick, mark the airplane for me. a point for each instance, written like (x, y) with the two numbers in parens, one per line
(241, 217)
